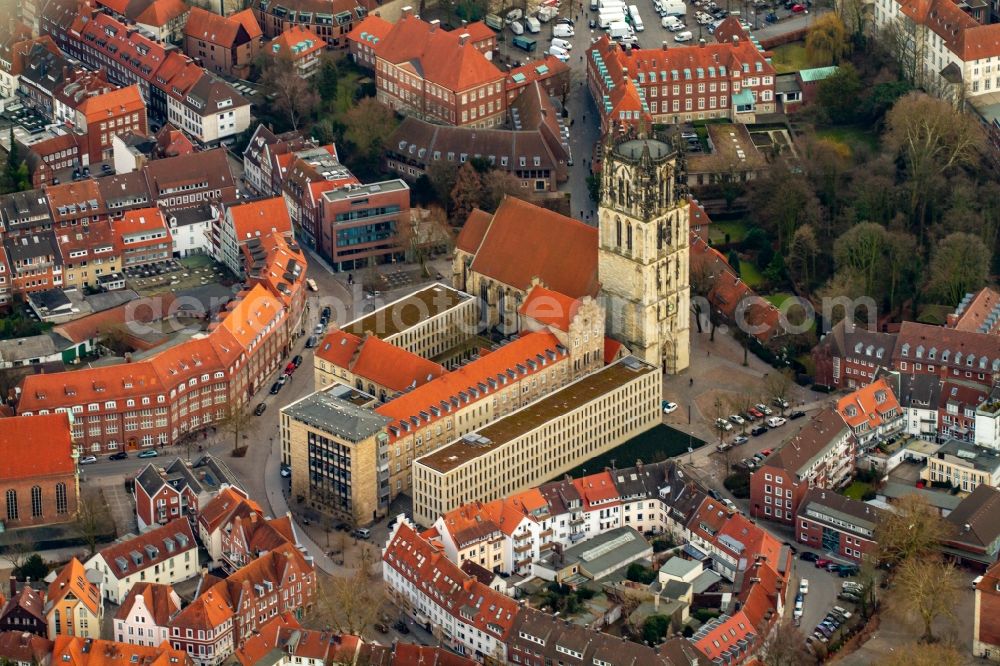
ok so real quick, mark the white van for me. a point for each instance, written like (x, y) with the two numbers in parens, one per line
(558, 53)
(533, 24)
(516, 28)
(621, 31)
(633, 12)
(672, 23)
(561, 44)
(685, 36)
(775, 422)
(512, 16)
(605, 20)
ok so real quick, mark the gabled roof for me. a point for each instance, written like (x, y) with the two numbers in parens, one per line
(260, 218)
(597, 489)
(976, 521)
(549, 307)
(22, 647)
(78, 651)
(296, 43)
(869, 406)
(249, 22)
(35, 447)
(161, 12)
(72, 580)
(802, 450)
(130, 556)
(28, 600)
(160, 600)
(959, 345)
(392, 367)
(525, 241)
(223, 506)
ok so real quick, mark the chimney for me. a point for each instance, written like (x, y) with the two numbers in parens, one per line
(407, 11)
(13, 586)
(434, 24)
(664, 45)
(701, 42)
(736, 39)
(463, 39)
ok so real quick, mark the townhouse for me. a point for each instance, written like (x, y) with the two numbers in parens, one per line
(73, 606)
(959, 401)
(219, 514)
(89, 253)
(144, 615)
(470, 618)
(947, 352)
(733, 80)
(204, 628)
(438, 76)
(919, 397)
(301, 47)
(163, 19)
(963, 465)
(24, 649)
(245, 223)
(872, 413)
(988, 421)
(365, 39)
(87, 651)
(331, 21)
(106, 115)
(163, 493)
(260, 158)
(33, 263)
(188, 181)
(166, 555)
(39, 480)
(43, 73)
(821, 455)
(832, 523)
(15, 39)
(23, 611)
(142, 238)
(223, 44)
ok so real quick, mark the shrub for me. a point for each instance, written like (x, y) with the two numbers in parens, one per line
(640, 574)
(738, 484)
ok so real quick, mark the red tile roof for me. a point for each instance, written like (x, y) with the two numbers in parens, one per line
(431, 572)
(872, 405)
(265, 639)
(473, 231)
(973, 316)
(77, 651)
(525, 241)
(36, 446)
(223, 506)
(161, 12)
(249, 21)
(469, 376)
(140, 220)
(305, 40)
(959, 345)
(260, 218)
(611, 349)
(152, 547)
(22, 647)
(221, 30)
(160, 600)
(549, 307)
(372, 31)
(597, 490)
(393, 367)
(437, 56)
(338, 348)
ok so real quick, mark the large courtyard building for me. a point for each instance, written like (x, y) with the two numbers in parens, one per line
(540, 441)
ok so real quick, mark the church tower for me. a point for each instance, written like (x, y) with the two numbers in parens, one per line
(643, 255)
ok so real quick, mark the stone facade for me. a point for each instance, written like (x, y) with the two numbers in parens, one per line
(643, 261)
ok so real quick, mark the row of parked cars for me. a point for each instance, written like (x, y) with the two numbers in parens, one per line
(755, 461)
(120, 455)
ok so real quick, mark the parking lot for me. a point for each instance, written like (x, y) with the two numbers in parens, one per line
(176, 275)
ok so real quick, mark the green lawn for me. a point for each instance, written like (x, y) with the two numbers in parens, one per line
(717, 232)
(857, 490)
(790, 58)
(778, 299)
(851, 135)
(750, 274)
(654, 445)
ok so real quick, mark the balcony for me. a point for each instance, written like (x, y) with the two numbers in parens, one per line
(548, 545)
(522, 548)
(545, 533)
(522, 536)
(577, 521)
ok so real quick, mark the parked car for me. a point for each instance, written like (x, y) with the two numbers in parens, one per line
(842, 612)
(401, 627)
(290, 368)
(740, 439)
(852, 586)
(822, 562)
(259, 409)
(297, 360)
(798, 9)
(776, 422)
(326, 313)
(669, 407)
(118, 455)
(319, 329)
(749, 463)
(763, 409)
(723, 424)
(781, 402)
(849, 596)
(729, 503)
(804, 586)
(723, 447)
(845, 570)
(275, 387)
(758, 431)
(797, 414)
(363, 533)
(311, 283)
(381, 628)
(737, 419)
(148, 453)
(88, 460)
(561, 44)
(685, 36)
(754, 412)
(311, 342)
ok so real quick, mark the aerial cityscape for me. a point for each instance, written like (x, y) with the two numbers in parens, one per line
(541, 332)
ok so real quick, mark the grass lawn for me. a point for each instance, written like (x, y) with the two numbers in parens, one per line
(857, 490)
(717, 232)
(654, 445)
(790, 58)
(777, 299)
(750, 274)
(851, 135)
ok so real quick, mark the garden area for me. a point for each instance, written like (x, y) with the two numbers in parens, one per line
(654, 445)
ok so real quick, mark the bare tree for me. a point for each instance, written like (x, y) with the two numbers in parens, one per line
(912, 530)
(868, 578)
(347, 604)
(927, 588)
(93, 520)
(785, 646)
(778, 386)
(292, 95)
(18, 552)
(239, 423)
(918, 654)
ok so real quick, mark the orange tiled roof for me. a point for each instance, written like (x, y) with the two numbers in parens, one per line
(73, 579)
(393, 367)
(35, 448)
(525, 241)
(139, 220)
(77, 651)
(597, 489)
(160, 600)
(266, 638)
(210, 609)
(972, 317)
(248, 20)
(161, 12)
(611, 349)
(252, 315)
(449, 385)
(338, 348)
(307, 41)
(473, 231)
(222, 506)
(372, 31)
(437, 56)
(260, 218)
(549, 307)
(869, 404)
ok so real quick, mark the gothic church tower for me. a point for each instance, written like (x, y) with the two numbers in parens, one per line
(643, 256)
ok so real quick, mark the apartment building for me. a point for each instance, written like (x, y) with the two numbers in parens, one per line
(331, 21)
(181, 488)
(224, 44)
(245, 223)
(167, 554)
(428, 322)
(872, 413)
(831, 523)
(185, 181)
(33, 263)
(471, 618)
(963, 465)
(957, 410)
(107, 115)
(89, 252)
(306, 172)
(215, 523)
(144, 615)
(73, 604)
(821, 455)
(15, 41)
(162, 19)
(142, 237)
(39, 479)
(203, 630)
(366, 38)
(919, 397)
(260, 159)
(988, 421)
(979, 311)
(947, 352)
(301, 47)
(362, 222)
(974, 538)
(424, 71)
(526, 447)
(733, 80)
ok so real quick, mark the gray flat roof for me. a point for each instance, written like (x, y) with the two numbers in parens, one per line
(970, 455)
(408, 311)
(360, 191)
(338, 411)
(679, 567)
(607, 549)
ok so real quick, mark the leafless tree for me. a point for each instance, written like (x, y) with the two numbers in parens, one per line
(912, 530)
(779, 385)
(348, 604)
(238, 422)
(785, 646)
(927, 588)
(19, 551)
(293, 96)
(93, 520)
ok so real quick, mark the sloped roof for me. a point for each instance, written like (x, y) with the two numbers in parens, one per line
(35, 446)
(221, 30)
(549, 307)
(976, 520)
(296, 42)
(160, 600)
(870, 404)
(78, 651)
(393, 367)
(161, 12)
(260, 218)
(73, 580)
(154, 547)
(810, 442)
(525, 241)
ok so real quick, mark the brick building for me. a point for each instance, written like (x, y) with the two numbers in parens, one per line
(39, 475)
(986, 620)
(163, 493)
(948, 352)
(144, 615)
(959, 401)
(978, 312)
(141, 237)
(24, 610)
(223, 44)
(734, 80)
(364, 222)
(848, 356)
(832, 523)
(300, 46)
(330, 20)
(821, 455)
